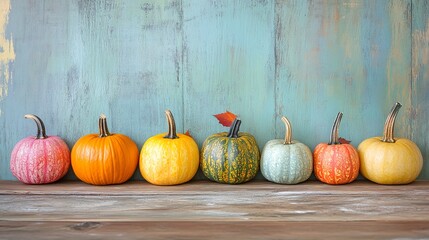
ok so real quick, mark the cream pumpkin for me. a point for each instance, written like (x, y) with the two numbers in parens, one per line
(286, 161)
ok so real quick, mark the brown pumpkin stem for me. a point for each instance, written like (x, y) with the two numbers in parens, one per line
(41, 133)
(235, 127)
(102, 126)
(334, 133)
(288, 133)
(171, 125)
(389, 125)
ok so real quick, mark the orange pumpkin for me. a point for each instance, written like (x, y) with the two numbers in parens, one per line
(105, 158)
(334, 162)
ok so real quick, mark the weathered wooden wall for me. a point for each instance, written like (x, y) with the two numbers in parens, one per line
(69, 61)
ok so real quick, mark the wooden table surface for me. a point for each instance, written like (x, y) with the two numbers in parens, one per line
(206, 210)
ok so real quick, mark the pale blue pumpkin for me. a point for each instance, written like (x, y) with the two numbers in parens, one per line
(286, 161)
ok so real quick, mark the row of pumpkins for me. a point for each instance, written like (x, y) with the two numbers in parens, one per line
(233, 157)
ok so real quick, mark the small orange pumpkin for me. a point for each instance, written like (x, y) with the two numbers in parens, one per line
(335, 162)
(105, 158)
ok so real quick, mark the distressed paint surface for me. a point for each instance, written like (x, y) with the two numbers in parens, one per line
(420, 81)
(339, 57)
(69, 61)
(7, 54)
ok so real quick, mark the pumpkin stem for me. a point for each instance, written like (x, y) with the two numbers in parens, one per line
(41, 133)
(334, 133)
(102, 126)
(288, 133)
(171, 125)
(235, 127)
(389, 125)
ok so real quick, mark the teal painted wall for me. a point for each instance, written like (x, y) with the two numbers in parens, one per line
(69, 61)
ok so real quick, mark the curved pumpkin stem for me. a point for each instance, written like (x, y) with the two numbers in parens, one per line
(102, 126)
(389, 125)
(171, 125)
(235, 127)
(334, 133)
(41, 132)
(288, 133)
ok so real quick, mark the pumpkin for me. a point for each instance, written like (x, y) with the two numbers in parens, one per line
(169, 158)
(286, 161)
(104, 158)
(41, 159)
(231, 157)
(335, 162)
(389, 160)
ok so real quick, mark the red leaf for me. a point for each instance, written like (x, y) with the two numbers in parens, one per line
(225, 118)
(344, 141)
(188, 133)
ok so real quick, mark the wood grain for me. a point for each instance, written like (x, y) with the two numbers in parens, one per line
(255, 201)
(228, 66)
(420, 79)
(215, 230)
(356, 56)
(203, 209)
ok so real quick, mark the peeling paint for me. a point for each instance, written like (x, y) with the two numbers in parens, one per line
(7, 53)
(420, 40)
(399, 64)
(420, 80)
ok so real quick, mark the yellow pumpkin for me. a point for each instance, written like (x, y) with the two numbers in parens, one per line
(389, 160)
(169, 159)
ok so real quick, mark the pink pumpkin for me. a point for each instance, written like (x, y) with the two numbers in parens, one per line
(41, 159)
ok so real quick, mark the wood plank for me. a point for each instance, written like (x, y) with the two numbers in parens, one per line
(201, 201)
(398, 67)
(228, 65)
(350, 56)
(207, 210)
(201, 187)
(215, 230)
(420, 80)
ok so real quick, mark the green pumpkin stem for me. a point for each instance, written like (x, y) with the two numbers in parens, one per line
(41, 132)
(389, 125)
(171, 125)
(288, 133)
(235, 127)
(334, 133)
(102, 126)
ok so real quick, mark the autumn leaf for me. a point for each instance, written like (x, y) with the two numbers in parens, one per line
(226, 118)
(344, 141)
(188, 133)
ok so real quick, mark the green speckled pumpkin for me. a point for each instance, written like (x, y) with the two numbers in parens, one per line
(286, 161)
(231, 157)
